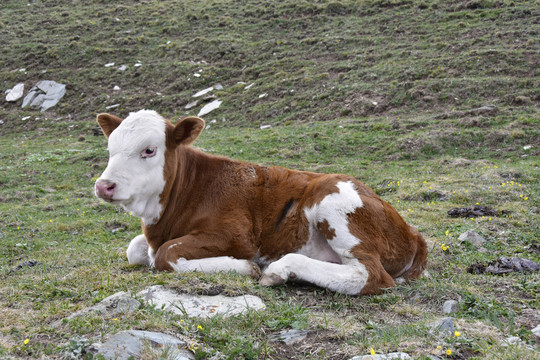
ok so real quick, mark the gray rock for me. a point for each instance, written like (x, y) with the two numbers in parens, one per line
(444, 325)
(450, 306)
(45, 94)
(137, 343)
(473, 237)
(289, 337)
(199, 305)
(536, 333)
(16, 93)
(119, 303)
(389, 356)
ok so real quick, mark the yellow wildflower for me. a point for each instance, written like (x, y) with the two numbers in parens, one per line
(372, 352)
(26, 341)
(448, 352)
(457, 333)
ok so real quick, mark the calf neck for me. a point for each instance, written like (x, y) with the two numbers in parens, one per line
(201, 212)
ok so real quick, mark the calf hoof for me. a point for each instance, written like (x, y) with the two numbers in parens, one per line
(271, 280)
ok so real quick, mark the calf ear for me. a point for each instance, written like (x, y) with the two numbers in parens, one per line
(108, 123)
(187, 130)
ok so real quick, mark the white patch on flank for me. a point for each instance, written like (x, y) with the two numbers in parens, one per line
(213, 265)
(137, 251)
(173, 245)
(334, 208)
(139, 181)
(347, 278)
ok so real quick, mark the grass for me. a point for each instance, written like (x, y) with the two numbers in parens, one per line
(387, 91)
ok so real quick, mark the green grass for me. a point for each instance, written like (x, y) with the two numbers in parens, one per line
(324, 64)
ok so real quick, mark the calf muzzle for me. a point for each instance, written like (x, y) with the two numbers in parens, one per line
(105, 189)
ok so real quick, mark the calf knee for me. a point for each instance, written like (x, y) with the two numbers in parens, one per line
(161, 260)
(137, 251)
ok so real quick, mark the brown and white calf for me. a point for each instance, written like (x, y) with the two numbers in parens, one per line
(207, 213)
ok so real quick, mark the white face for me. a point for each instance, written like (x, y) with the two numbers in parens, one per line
(134, 175)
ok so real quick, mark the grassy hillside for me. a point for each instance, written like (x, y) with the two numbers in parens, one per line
(434, 104)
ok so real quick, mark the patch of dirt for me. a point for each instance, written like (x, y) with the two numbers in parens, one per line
(472, 211)
(503, 266)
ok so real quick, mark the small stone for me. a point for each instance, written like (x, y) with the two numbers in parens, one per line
(389, 356)
(218, 87)
(289, 337)
(116, 88)
(191, 105)
(263, 127)
(210, 107)
(122, 68)
(16, 93)
(249, 86)
(109, 64)
(263, 95)
(444, 325)
(112, 106)
(511, 340)
(536, 333)
(203, 92)
(473, 237)
(450, 306)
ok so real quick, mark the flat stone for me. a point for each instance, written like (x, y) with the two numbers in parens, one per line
(136, 343)
(204, 92)
(389, 356)
(473, 237)
(191, 105)
(289, 337)
(119, 303)
(16, 93)
(444, 325)
(450, 306)
(199, 305)
(210, 107)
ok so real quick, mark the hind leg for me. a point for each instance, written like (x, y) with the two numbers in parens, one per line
(378, 279)
(347, 278)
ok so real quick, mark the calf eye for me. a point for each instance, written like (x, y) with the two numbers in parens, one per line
(148, 152)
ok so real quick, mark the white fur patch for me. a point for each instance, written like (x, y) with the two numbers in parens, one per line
(213, 265)
(334, 209)
(139, 181)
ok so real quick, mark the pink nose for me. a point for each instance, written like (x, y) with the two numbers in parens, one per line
(105, 189)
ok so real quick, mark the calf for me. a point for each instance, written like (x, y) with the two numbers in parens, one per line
(201, 212)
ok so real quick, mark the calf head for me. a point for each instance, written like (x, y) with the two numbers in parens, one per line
(141, 147)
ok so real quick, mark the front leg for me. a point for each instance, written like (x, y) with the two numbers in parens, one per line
(193, 253)
(137, 251)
